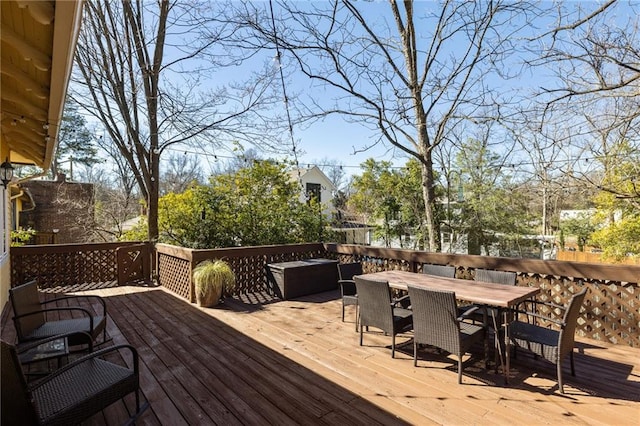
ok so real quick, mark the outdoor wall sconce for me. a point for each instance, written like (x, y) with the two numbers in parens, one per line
(6, 173)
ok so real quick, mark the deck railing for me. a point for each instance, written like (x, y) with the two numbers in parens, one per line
(58, 265)
(611, 311)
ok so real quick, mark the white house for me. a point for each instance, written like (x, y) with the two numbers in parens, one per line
(314, 183)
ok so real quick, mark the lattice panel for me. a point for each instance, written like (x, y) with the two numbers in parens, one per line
(378, 264)
(175, 274)
(610, 311)
(60, 269)
(250, 274)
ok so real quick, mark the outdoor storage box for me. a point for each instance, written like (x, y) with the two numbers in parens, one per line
(303, 277)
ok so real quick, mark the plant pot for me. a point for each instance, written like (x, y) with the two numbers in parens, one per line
(209, 296)
(211, 279)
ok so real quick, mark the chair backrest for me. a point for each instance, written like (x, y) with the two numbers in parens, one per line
(434, 318)
(25, 298)
(439, 270)
(498, 277)
(374, 303)
(346, 271)
(567, 333)
(16, 408)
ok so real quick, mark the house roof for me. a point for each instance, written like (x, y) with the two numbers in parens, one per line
(38, 44)
(300, 173)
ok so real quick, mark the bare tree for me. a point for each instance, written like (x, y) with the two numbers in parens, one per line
(596, 59)
(182, 170)
(147, 70)
(414, 72)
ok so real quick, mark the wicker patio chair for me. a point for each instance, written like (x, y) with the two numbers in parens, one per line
(30, 316)
(69, 395)
(346, 271)
(377, 309)
(498, 277)
(436, 323)
(439, 270)
(551, 344)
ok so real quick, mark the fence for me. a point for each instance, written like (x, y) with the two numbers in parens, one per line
(610, 313)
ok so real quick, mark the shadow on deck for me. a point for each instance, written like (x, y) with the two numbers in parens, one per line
(256, 360)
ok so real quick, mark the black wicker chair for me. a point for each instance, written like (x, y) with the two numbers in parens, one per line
(30, 316)
(346, 271)
(377, 309)
(497, 277)
(69, 395)
(439, 270)
(551, 344)
(436, 323)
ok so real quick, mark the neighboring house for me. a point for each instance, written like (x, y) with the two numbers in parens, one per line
(576, 214)
(353, 230)
(38, 45)
(315, 183)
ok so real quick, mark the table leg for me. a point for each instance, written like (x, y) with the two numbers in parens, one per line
(507, 344)
(496, 340)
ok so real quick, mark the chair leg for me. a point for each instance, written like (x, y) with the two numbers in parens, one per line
(343, 311)
(415, 353)
(357, 317)
(360, 334)
(573, 370)
(560, 384)
(459, 368)
(486, 350)
(393, 344)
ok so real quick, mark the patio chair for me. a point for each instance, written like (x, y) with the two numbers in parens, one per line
(377, 309)
(346, 271)
(439, 270)
(497, 277)
(551, 344)
(30, 316)
(436, 323)
(69, 395)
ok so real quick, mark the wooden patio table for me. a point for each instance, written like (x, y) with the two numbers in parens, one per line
(490, 294)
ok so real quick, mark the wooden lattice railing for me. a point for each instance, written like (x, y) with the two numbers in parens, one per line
(68, 264)
(611, 311)
(248, 263)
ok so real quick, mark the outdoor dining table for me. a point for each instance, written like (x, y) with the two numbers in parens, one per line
(501, 296)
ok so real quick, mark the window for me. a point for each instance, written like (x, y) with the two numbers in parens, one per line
(314, 190)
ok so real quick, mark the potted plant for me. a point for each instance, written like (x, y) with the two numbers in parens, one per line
(212, 279)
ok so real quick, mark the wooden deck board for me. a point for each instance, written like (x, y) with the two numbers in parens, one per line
(295, 362)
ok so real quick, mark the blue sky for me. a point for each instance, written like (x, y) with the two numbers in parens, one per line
(334, 138)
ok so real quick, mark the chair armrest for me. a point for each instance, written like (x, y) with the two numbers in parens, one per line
(70, 308)
(28, 346)
(57, 309)
(347, 287)
(96, 354)
(543, 317)
(539, 302)
(473, 309)
(88, 296)
(401, 302)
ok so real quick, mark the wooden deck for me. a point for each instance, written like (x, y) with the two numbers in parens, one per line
(295, 362)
